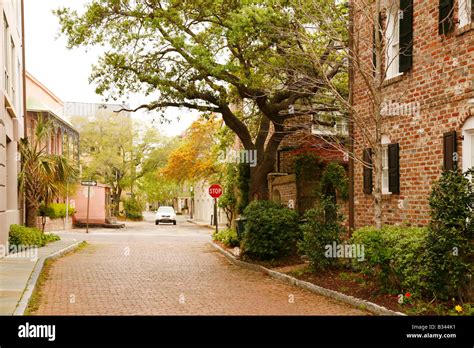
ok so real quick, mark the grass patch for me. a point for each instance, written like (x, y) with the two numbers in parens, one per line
(36, 297)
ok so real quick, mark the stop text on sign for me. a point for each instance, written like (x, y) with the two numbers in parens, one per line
(215, 191)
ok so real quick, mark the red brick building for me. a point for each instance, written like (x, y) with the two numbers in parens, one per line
(312, 138)
(429, 106)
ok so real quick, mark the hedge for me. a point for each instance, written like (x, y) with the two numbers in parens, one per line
(55, 210)
(271, 231)
(393, 255)
(22, 236)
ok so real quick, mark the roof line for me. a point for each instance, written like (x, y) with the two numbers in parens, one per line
(44, 88)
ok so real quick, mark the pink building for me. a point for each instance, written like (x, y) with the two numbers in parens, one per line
(99, 205)
(64, 139)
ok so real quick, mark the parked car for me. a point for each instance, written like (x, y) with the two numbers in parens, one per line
(165, 214)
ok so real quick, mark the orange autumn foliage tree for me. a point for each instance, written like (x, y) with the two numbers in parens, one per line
(197, 156)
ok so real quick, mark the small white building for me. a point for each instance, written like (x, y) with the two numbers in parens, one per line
(203, 204)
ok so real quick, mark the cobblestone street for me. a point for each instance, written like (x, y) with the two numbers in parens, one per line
(167, 270)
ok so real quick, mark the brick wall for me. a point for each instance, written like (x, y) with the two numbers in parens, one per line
(53, 224)
(283, 188)
(442, 81)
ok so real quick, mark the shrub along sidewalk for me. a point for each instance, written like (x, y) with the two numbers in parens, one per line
(415, 270)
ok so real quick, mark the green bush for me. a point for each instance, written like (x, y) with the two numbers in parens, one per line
(323, 224)
(319, 231)
(55, 210)
(133, 209)
(21, 236)
(393, 255)
(50, 237)
(271, 231)
(448, 265)
(228, 237)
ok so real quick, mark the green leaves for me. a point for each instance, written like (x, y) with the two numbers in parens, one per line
(393, 256)
(21, 237)
(317, 234)
(271, 231)
(449, 242)
(43, 176)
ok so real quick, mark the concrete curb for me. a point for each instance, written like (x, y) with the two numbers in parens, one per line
(204, 225)
(31, 285)
(353, 301)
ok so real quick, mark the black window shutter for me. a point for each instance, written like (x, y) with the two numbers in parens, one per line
(446, 16)
(450, 151)
(406, 35)
(374, 56)
(472, 10)
(394, 168)
(367, 158)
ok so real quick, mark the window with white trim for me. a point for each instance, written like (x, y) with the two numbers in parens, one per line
(6, 54)
(468, 144)
(12, 90)
(385, 165)
(392, 41)
(321, 124)
(465, 12)
(385, 172)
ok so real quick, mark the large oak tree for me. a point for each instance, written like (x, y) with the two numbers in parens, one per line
(209, 55)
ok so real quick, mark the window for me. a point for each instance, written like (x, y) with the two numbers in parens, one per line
(446, 16)
(385, 173)
(392, 35)
(18, 88)
(465, 12)
(12, 75)
(468, 144)
(390, 168)
(399, 38)
(6, 55)
(330, 123)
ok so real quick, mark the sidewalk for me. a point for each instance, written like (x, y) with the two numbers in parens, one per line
(15, 273)
(202, 223)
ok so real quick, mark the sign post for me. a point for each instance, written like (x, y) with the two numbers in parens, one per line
(88, 183)
(215, 191)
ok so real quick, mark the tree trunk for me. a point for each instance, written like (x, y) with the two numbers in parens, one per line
(116, 195)
(258, 180)
(31, 213)
(378, 186)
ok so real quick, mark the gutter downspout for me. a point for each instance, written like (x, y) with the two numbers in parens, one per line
(23, 58)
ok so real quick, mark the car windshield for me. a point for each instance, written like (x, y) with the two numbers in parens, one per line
(168, 210)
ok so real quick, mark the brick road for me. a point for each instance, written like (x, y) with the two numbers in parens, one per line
(164, 270)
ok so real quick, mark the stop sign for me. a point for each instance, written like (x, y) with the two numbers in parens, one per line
(215, 191)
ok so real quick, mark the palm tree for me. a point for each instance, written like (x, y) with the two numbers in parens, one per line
(43, 176)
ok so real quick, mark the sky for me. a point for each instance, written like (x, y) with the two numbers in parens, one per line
(65, 72)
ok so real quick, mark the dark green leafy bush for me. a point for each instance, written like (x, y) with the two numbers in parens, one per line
(271, 231)
(319, 231)
(393, 255)
(449, 241)
(323, 224)
(228, 237)
(133, 209)
(21, 236)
